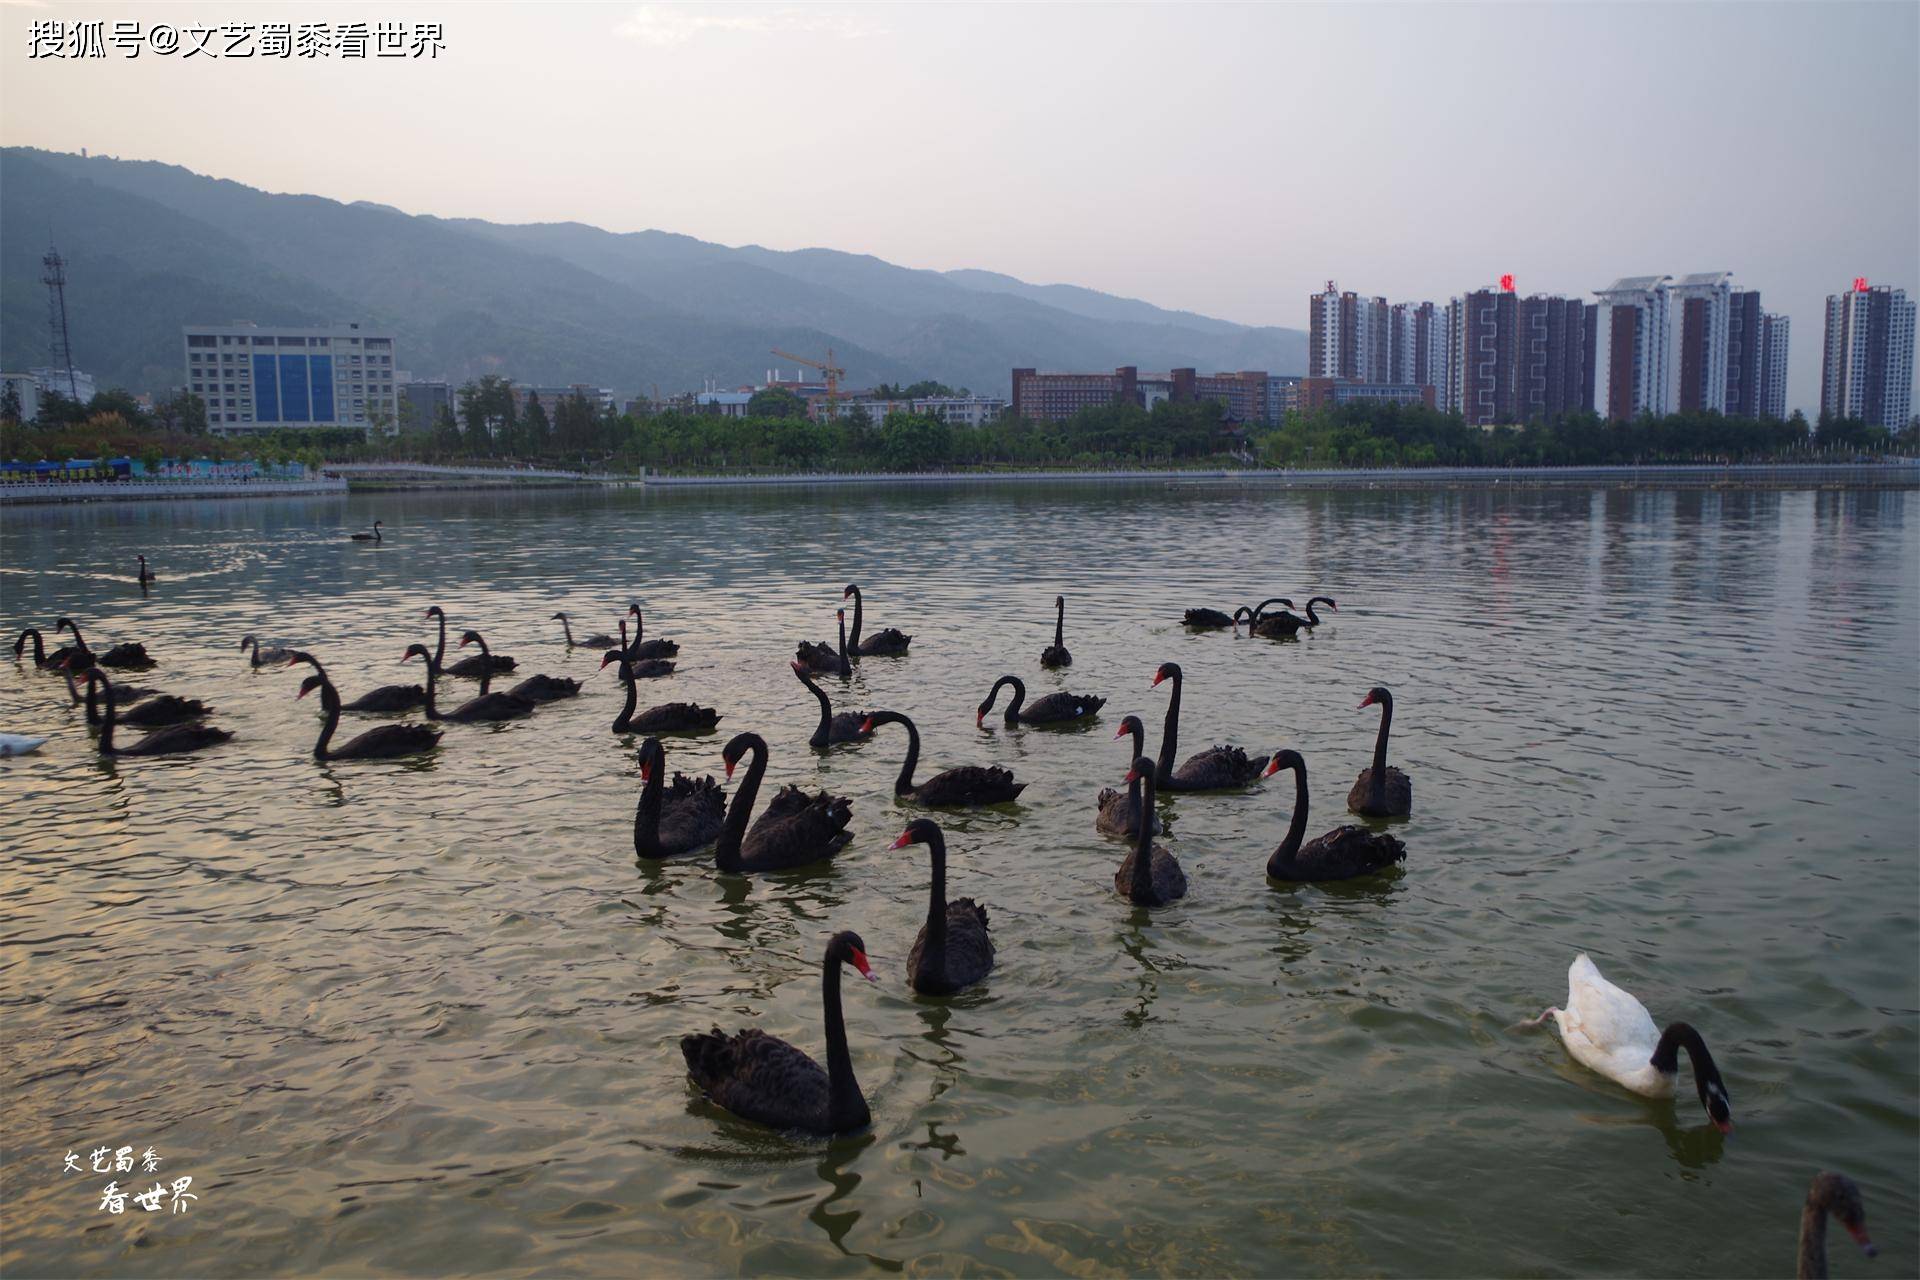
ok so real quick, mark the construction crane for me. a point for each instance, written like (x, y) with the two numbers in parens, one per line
(830, 371)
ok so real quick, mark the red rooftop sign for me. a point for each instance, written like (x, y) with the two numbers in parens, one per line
(1506, 283)
(1859, 284)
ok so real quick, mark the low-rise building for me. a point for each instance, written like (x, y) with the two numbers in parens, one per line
(257, 378)
(74, 384)
(1320, 393)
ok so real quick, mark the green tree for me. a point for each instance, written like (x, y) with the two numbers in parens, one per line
(10, 403)
(776, 402)
(534, 431)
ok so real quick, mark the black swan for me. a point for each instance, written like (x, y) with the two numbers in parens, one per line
(366, 537)
(126, 657)
(58, 658)
(634, 668)
(1119, 811)
(964, 785)
(1215, 769)
(1055, 654)
(474, 665)
(666, 822)
(890, 643)
(1839, 1195)
(1150, 876)
(642, 647)
(846, 726)
(546, 688)
(954, 950)
(824, 658)
(599, 640)
(1052, 708)
(1341, 854)
(797, 829)
(157, 711)
(668, 717)
(272, 656)
(389, 698)
(382, 742)
(1283, 624)
(1380, 791)
(486, 707)
(764, 1079)
(146, 578)
(125, 693)
(162, 742)
(1206, 619)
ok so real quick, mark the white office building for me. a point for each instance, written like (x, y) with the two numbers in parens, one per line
(1705, 303)
(1867, 371)
(257, 378)
(1774, 331)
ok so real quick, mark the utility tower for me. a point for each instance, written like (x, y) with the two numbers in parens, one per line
(58, 346)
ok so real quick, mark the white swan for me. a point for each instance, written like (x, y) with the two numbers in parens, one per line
(1609, 1031)
(18, 744)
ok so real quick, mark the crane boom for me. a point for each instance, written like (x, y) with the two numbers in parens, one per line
(828, 370)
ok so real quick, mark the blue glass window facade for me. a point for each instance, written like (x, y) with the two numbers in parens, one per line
(322, 370)
(294, 402)
(266, 393)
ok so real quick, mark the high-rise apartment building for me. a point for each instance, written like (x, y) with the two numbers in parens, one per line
(1366, 340)
(1705, 303)
(1867, 370)
(1634, 344)
(1772, 401)
(257, 379)
(1520, 359)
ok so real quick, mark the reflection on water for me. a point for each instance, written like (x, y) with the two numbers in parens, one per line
(424, 1017)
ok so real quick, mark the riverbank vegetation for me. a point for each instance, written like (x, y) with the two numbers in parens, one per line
(575, 434)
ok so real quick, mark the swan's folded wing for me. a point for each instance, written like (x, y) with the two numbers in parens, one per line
(1611, 1019)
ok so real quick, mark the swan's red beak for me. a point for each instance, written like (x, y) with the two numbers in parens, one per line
(799, 668)
(1273, 767)
(729, 770)
(291, 661)
(868, 726)
(604, 662)
(859, 958)
(1365, 703)
(1119, 734)
(1331, 605)
(303, 693)
(1724, 1126)
(1858, 1230)
(1158, 676)
(906, 838)
(646, 770)
(464, 642)
(979, 719)
(406, 657)
(1133, 775)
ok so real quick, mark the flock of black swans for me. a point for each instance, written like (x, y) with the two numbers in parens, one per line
(765, 1079)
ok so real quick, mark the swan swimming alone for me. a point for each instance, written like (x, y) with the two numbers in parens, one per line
(1609, 1031)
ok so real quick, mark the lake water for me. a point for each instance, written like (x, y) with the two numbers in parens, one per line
(423, 1018)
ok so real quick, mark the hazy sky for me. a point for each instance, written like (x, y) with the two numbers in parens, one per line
(1222, 158)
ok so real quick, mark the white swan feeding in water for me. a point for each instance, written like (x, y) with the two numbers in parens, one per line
(1609, 1031)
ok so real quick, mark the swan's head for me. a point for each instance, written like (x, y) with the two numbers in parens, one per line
(435, 611)
(1713, 1095)
(1288, 759)
(1129, 725)
(799, 667)
(1142, 768)
(558, 617)
(841, 614)
(652, 756)
(851, 590)
(419, 650)
(919, 831)
(1376, 696)
(469, 637)
(376, 524)
(610, 657)
(741, 744)
(1839, 1195)
(295, 657)
(1167, 671)
(847, 948)
(633, 608)
(308, 685)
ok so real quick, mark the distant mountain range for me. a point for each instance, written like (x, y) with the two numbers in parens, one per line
(151, 247)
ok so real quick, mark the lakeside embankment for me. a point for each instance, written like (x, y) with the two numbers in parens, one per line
(399, 477)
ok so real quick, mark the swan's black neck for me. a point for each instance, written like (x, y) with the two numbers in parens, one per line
(646, 814)
(330, 702)
(846, 1106)
(107, 712)
(1060, 623)
(1706, 1076)
(1313, 617)
(67, 624)
(1297, 829)
(1141, 790)
(567, 628)
(846, 668)
(1377, 791)
(726, 851)
(936, 950)
(1019, 696)
(440, 650)
(622, 721)
(39, 648)
(486, 664)
(1169, 735)
(433, 669)
(858, 615)
(1139, 734)
(902, 785)
(1813, 1241)
(823, 732)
